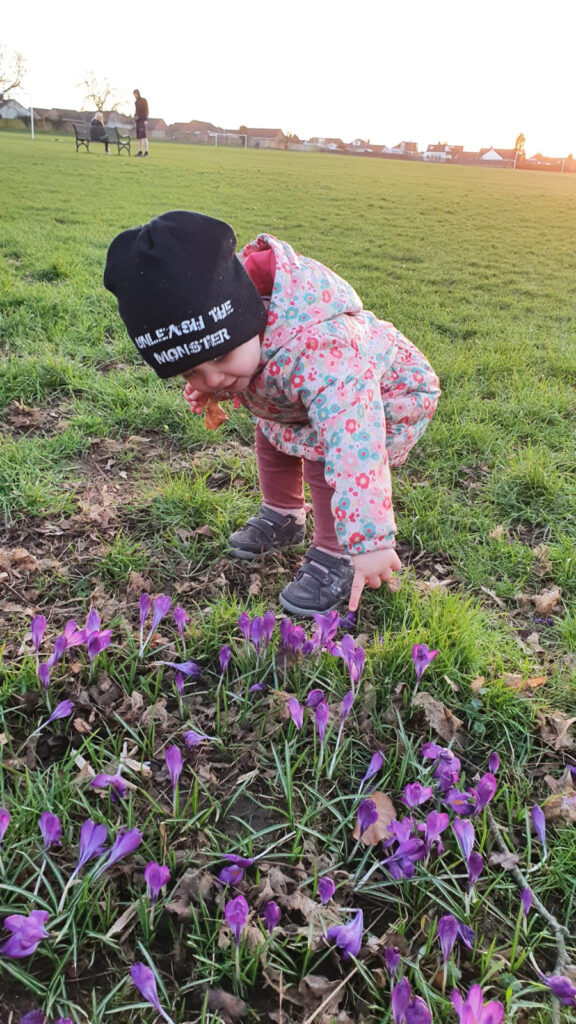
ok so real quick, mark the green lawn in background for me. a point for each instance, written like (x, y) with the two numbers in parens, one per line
(104, 473)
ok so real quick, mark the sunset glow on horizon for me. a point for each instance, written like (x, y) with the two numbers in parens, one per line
(468, 75)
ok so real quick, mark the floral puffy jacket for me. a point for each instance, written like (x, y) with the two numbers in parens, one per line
(318, 393)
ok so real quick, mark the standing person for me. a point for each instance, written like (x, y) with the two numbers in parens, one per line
(141, 115)
(98, 131)
(339, 395)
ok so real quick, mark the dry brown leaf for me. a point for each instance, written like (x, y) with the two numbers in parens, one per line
(453, 686)
(477, 684)
(506, 860)
(255, 587)
(82, 726)
(375, 833)
(515, 682)
(533, 641)
(214, 415)
(445, 723)
(18, 559)
(497, 533)
(561, 807)
(121, 922)
(564, 784)
(193, 887)
(299, 901)
(157, 713)
(137, 584)
(546, 601)
(230, 1007)
(554, 728)
(315, 988)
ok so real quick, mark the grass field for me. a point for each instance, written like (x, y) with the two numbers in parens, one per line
(109, 487)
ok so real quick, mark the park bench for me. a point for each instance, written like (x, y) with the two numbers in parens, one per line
(115, 137)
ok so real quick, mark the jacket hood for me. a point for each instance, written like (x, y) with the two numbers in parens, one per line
(305, 294)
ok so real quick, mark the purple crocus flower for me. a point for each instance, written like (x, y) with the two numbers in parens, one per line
(33, 1017)
(144, 608)
(400, 831)
(392, 959)
(145, 981)
(465, 836)
(367, 814)
(156, 877)
(292, 637)
(461, 801)
(348, 937)
(44, 673)
(244, 625)
(232, 874)
(539, 823)
(475, 865)
(37, 629)
(92, 622)
(257, 632)
(74, 636)
(447, 934)
(416, 794)
(186, 668)
(354, 657)
(314, 698)
(347, 702)
(268, 624)
(322, 714)
(4, 822)
(326, 889)
(561, 987)
(236, 913)
(161, 607)
(237, 858)
(271, 915)
(493, 762)
(401, 864)
(484, 791)
(181, 617)
(224, 656)
(60, 645)
(194, 739)
(296, 712)
(526, 897)
(417, 1012)
(117, 785)
(422, 656)
(92, 838)
(27, 933)
(179, 683)
(62, 710)
(174, 764)
(327, 627)
(474, 1011)
(400, 1000)
(125, 843)
(51, 829)
(376, 762)
(63, 1020)
(98, 642)
(432, 828)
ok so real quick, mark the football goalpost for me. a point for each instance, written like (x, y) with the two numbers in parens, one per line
(229, 139)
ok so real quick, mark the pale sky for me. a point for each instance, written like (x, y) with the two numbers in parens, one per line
(466, 72)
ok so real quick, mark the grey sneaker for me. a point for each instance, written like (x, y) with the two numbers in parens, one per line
(318, 588)
(266, 533)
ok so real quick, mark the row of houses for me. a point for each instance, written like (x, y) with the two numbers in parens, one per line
(206, 133)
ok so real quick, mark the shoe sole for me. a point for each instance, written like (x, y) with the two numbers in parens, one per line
(308, 613)
(251, 556)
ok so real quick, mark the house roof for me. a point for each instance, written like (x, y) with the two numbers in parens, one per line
(264, 133)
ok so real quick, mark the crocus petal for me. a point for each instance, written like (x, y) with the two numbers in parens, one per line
(347, 702)
(562, 988)
(181, 617)
(92, 838)
(376, 762)
(224, 657)
(416, 794)
(475, 866)
(193, 739)
(326, 889)
(493, 762)
(27, 933)
(51, 829)
(447, 935)
(98, 642)
(156, 877)
(526, 897)
(116, 783)
(321, 714)
(37, 629)
(236, 913)
(4, 822)
(417, 1012)
(392, 959)
(296, 712)
(162, 605)
(348, 937)
(257, 632)
(367, 814)
(145, 981)
(271, 915)
(465, 835)
(422, 656)
(232, 874)
(187, 668)
(62, 710)
(400, 999)
(314, 698)
(539, 823)
(144, 607)
(125, 843)
(174, 764)
(244, 625)
(44, 673)
(268, 625)
(92, 621)
(33, 1017)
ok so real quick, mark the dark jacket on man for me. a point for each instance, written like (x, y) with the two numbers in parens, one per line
(97, 131)
(141, 109)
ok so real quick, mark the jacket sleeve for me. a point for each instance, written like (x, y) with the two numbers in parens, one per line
(341, 393)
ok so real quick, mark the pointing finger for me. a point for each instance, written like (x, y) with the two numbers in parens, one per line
(356, 591)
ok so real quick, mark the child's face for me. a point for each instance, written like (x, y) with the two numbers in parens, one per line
(230, 374)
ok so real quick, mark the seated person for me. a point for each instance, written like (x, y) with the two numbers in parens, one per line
(98, 131)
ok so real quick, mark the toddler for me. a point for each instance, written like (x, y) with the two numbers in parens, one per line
(339, 396)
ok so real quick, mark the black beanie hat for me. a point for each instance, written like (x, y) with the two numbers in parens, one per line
(182, 291)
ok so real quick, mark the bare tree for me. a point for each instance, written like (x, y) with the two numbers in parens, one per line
(520, 145)
(98, 92)
(12, 70)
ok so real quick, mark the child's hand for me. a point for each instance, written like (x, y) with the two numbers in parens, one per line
(195, 399)
(373, 568)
